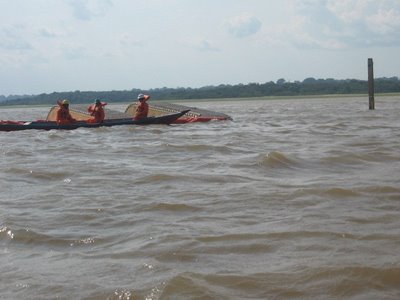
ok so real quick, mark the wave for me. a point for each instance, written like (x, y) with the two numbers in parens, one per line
(125, 294)
(389, 192)
(350, 281)
(6, 233)
(277, 159)
(335, 192)
(284, 235)
(354, 158)
(199, 148)
(154, 178)
(172, 207)
(33, 174)
(201, 176)
(359, 282)
(32, 238)
(385, 189)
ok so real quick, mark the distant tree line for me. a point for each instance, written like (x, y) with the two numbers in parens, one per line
(309, 86)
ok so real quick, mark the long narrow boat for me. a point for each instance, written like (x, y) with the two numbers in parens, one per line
(195, 115)
(157, 109)
(49, 125)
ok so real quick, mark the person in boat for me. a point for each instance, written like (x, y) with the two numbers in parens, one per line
(96, 110)
(63, 115)
(142, 109)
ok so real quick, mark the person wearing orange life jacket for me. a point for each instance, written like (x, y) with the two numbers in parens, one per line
(63, 115)
(142, 109)
(96, 110)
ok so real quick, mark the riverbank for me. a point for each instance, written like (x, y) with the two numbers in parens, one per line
(302, 97)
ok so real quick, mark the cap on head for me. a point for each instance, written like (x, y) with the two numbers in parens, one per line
(97, 101)
(143, 97)
(65, 102)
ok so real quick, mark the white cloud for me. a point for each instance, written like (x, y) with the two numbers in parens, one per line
(200, 44)
(87, 9)
(243, 26)
(206, 45)
(50, 33)
(11, 38)
(339, 24)
(384, 22)
(127, 40)
(74, 52)
(349, 11)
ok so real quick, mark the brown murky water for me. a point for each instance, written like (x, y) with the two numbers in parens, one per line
(293, 199)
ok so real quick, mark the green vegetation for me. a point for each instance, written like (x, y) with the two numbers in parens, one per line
(308, 87)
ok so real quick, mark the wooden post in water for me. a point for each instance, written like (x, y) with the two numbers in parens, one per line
(371, 84)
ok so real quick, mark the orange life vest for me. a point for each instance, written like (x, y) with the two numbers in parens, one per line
(97, 112)
(142, 111)
(64, 117)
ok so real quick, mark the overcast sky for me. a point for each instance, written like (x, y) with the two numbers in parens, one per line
(99, 45)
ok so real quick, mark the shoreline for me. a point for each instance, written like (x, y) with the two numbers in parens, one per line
(301, 97)
(265, 98)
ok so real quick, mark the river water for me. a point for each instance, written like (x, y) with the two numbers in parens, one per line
(293, 199)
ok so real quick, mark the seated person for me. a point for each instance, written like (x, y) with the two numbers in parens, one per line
(63, 115)
(96, 110)
(142, 109)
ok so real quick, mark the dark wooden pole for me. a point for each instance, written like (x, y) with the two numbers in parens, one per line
(371, 84)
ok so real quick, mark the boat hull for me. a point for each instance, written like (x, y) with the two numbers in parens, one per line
(51, 125)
